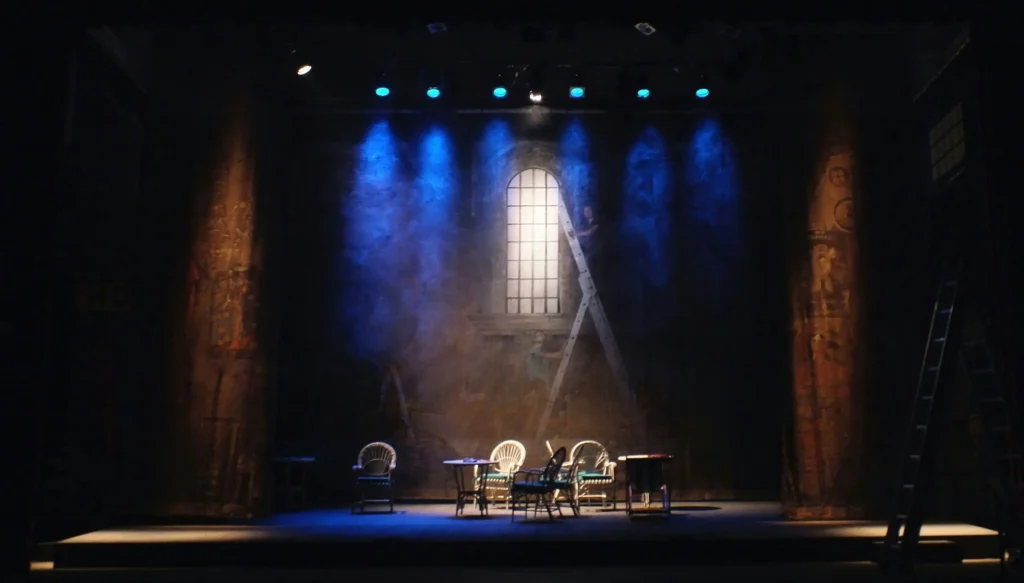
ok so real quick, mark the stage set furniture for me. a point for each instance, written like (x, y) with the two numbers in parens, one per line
(479, 491)
(596, 473)
(509, 456)
(645, 475)
(373, 475)
(293, 477)
(539, 484)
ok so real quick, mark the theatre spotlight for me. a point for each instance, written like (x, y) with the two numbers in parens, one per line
(577, 89)
(433, 81)
(643, 87)
(381, 86)
(702, 87)
(304, 69)
(500, 90)
(535, 83)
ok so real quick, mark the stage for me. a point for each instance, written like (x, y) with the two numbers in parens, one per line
(421, 535)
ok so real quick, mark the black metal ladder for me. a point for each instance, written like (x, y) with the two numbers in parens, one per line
(904, 529)
(991, 408)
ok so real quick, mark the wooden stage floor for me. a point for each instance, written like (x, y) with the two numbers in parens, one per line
(697, 533)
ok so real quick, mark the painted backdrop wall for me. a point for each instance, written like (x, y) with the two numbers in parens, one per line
(400, 254)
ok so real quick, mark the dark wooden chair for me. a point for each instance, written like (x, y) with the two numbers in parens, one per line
(539, 484)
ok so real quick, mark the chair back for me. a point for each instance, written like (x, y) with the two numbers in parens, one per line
(377, 459)
(594, 459)
(510, 455)
(554, 466)
(574, 467)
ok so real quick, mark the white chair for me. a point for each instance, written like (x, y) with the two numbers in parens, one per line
(596, 472)
(373, 474)
(510, 455)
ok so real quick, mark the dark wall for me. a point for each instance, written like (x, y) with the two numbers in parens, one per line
(692, 274)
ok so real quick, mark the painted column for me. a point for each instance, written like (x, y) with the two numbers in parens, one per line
(225, 408)
(824, 306)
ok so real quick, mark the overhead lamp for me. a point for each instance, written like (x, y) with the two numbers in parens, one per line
(433, 82)
(645, 28)
(535, 83)
(381, 87)
(500, 90)
(303, 69)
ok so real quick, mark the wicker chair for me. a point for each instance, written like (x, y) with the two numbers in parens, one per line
(373, 475)
(510, 455)
(596, 472)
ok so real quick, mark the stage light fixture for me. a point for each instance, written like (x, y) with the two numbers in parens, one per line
(577, 89)
(702, 92)
(645, 28)
(643, 93)
(304, 69)
(382, 91)
(500, 92)
(535, 83)
(432, 82)
(433, 92)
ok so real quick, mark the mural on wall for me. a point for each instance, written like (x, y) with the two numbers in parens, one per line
(417, 269)
(223, 402)
(827, 444)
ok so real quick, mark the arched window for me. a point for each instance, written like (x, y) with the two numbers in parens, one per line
(532, 205)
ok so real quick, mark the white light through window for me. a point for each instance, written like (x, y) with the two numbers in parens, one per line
(532, 205)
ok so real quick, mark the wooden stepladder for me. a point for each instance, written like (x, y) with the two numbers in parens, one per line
(392, 377)
(591, 302)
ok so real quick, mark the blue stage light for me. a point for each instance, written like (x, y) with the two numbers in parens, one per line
(433, 93)
(576, 92)
(643, 93)
(383, 92)
(500, 92)
(702, 93)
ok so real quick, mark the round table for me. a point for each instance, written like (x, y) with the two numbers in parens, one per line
(645, 474)
(479, 491)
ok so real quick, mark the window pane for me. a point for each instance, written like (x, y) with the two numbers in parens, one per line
(527, 267)
(552, 215)
(551, 182)
(513, 306)
(527, 179)
(552, 251)
(513, 233)
(538, 269)
(552, 306)
(552, 234)
(513, 288)
(513, 250)
(513, 197)
(513, 215)
(540, 215)
(551, 269)
(538, 289)
(513, 270)
(514, 182)
(553, 197)
(552, 288)
(525, 307)
(526, 197)
(525, 288)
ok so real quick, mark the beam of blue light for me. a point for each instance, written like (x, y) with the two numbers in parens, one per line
(373, 249)
(432, 233)
(574, 153)
(646, 221)
(643, 93)
(494, 167)
(712, 208)
(500, 92)
(382, 92)
(433, 93)
(576, 92)
(702, 93)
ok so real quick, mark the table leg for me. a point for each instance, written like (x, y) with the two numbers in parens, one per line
(459, 497)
